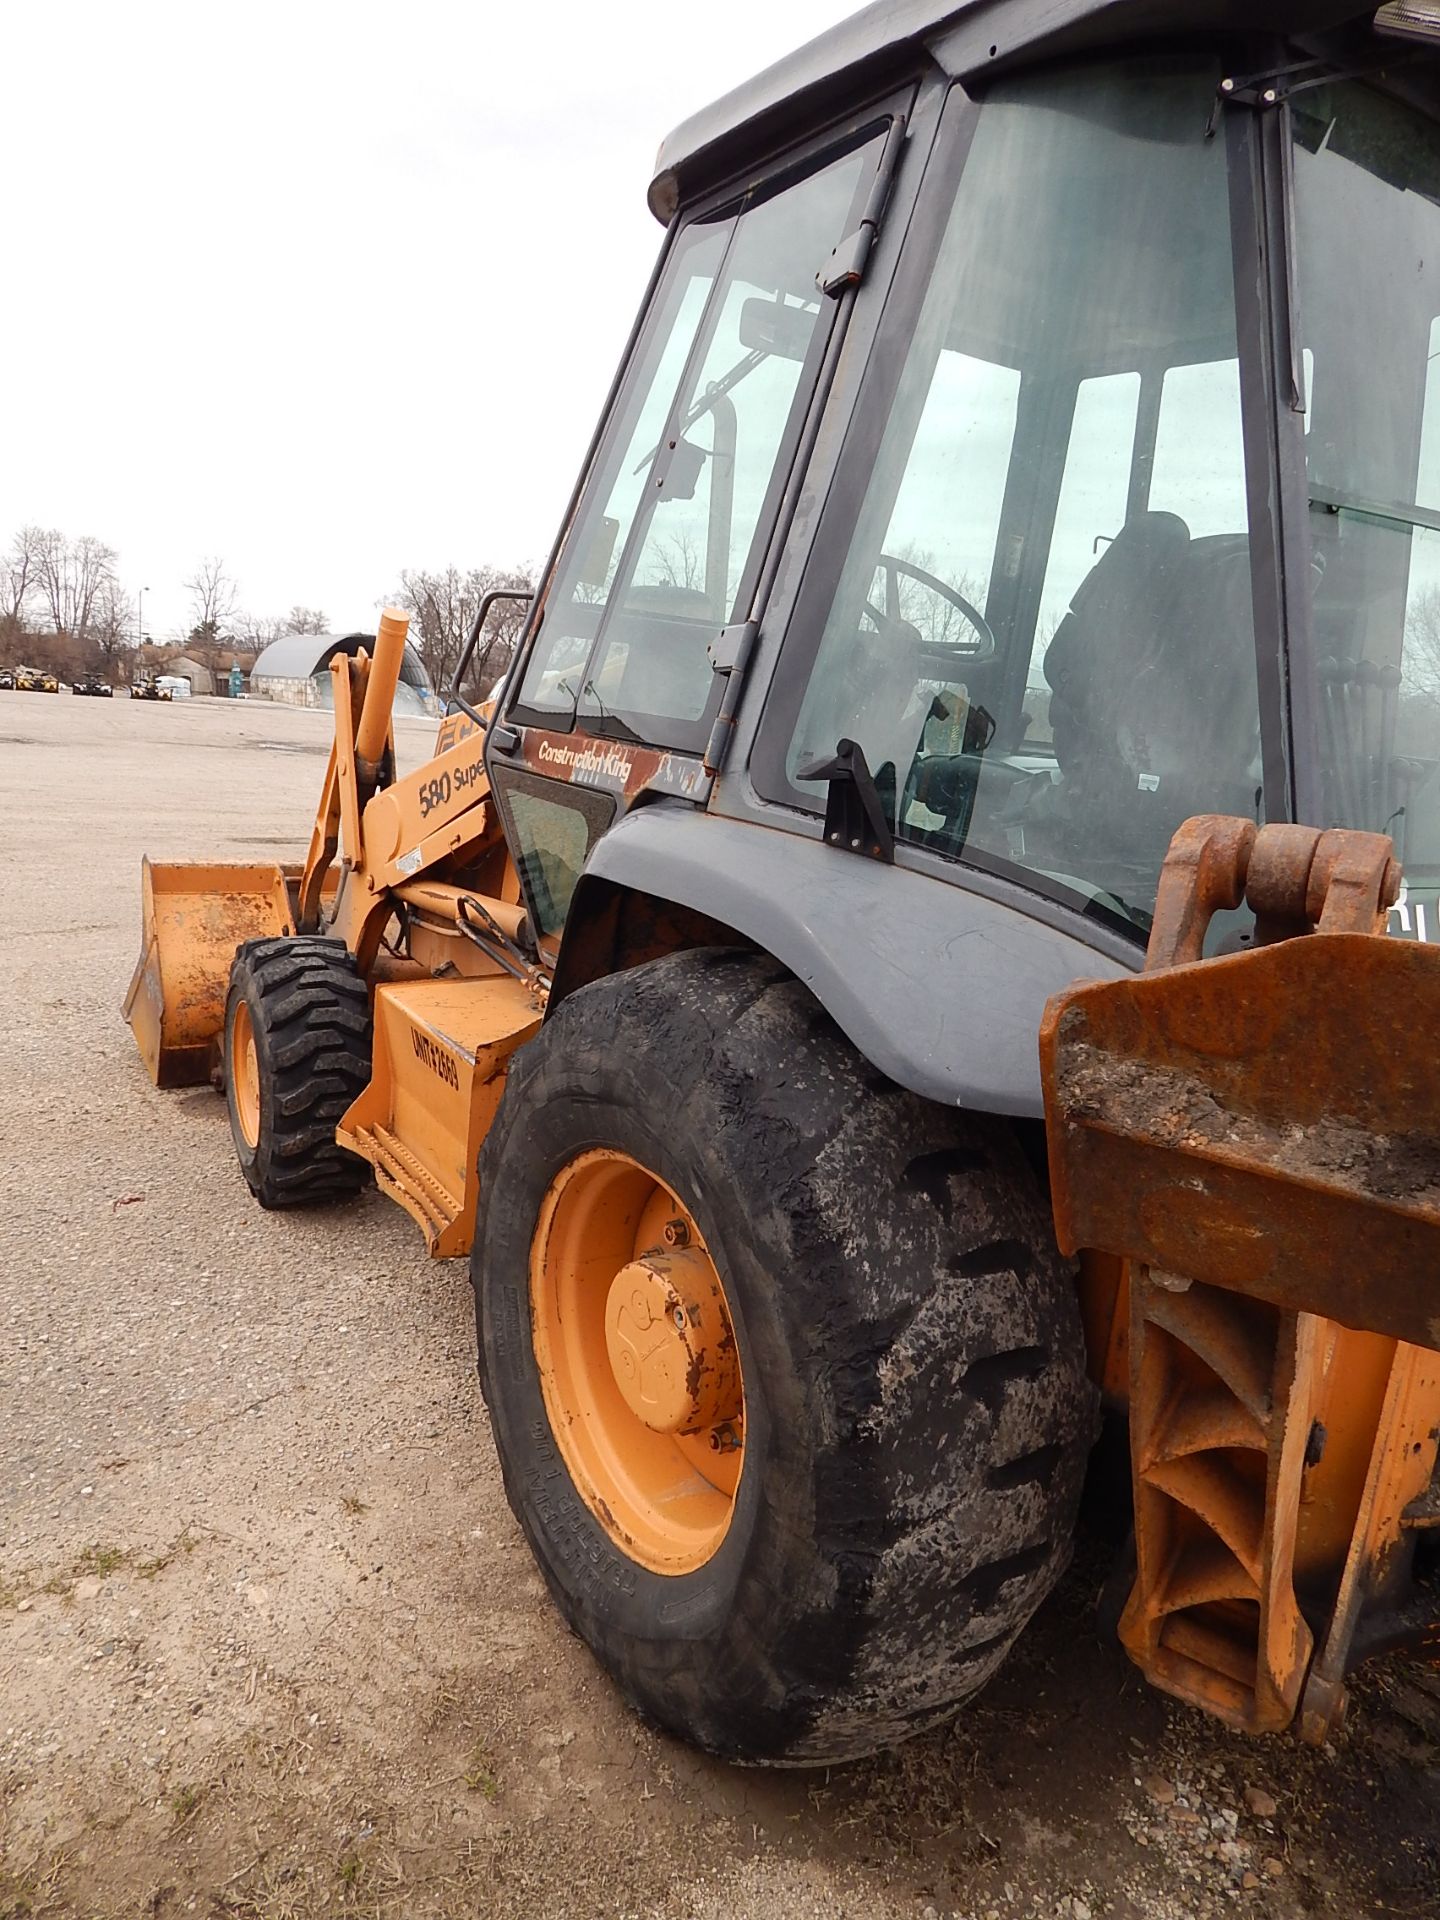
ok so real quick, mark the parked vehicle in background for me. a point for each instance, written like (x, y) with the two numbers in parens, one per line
(7, 680)
(173, 686)
(148, 687)
(93, 684)
(27, 680)
(47, 683)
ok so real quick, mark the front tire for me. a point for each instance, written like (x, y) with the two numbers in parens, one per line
(914, 1414)
(297, 1053)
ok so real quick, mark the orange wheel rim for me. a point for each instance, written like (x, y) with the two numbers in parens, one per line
(245, 1074)
(638, 1362)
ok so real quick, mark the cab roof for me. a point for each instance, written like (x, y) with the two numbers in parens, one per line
(891, 39)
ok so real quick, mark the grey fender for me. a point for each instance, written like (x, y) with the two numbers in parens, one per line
(939, 986)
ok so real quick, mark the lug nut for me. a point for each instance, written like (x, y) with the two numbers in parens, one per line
(677, 1233)
(679, 1318)
(724, 1439)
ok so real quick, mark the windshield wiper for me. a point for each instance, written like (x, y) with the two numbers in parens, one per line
(1326, 500)
(716, 390)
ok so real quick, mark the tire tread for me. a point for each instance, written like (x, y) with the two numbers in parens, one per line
(310, 1013)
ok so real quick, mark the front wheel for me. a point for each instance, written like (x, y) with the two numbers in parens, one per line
(296, 1054)
(785, 1373)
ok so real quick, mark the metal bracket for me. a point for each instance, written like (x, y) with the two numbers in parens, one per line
(854, 813)
(846, 265)
(729, 652)
(1273, 89)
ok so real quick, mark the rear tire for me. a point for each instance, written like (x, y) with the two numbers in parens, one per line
(297, 1053)
(916, 1410)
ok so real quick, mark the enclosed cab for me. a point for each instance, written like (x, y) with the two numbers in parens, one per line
(1031, 440)
(1022, 416)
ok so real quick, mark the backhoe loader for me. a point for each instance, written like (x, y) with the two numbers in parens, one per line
(927, 947)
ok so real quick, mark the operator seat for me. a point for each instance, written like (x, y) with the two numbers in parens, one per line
(1152, 677)
(1113, 632)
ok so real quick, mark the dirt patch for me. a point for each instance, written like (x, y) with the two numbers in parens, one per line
(1174, 1110)
(270, 1642)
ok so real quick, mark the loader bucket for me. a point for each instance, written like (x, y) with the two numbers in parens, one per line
(194, 918)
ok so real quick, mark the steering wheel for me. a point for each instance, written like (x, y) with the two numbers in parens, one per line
(895, 570)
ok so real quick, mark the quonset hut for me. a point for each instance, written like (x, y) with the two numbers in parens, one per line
(296, 670)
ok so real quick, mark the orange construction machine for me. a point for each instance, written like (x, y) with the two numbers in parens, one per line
(998, 606)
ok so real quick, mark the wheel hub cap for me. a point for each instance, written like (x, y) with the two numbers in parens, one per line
(671, 1346)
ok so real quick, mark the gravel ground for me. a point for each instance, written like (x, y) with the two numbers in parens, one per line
(270, 1643)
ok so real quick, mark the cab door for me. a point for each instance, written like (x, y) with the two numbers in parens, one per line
(624, 672)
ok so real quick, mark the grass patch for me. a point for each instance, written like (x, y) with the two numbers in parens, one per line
(479, 1775)
(185, 1802)
(282, 1894)
(99, 1562)
(32, 1891)
(185, 1542)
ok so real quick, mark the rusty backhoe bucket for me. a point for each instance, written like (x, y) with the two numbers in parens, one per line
(1258, 1137)
(194, 918)
(1267, 1122)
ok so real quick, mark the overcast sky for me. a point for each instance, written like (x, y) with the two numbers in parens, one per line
(331, 290)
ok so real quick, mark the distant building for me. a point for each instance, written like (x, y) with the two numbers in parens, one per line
(201, 679)
(296, 669)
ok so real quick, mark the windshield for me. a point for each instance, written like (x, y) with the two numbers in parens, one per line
(1367, 185)
(1042, 636)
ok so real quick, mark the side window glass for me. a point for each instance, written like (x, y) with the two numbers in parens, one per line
(1367, 210)
(714, 468)
(964, 441)
(919, 578)
(1061, 450)
(1094, 502)
(587, 567)
(1199, 449)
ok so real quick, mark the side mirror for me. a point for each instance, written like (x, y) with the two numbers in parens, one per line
(769, 326)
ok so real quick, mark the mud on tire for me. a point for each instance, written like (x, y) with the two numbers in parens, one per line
(308, 1013)
(917, 1410)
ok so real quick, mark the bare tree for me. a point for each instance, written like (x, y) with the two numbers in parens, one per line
(307, 620)
(678, 562)
(112, 629)
(258, 630)
(1422, 642)
(18, 574)
(442, 605)
(212, 597)
(435, 602)
(69, 576)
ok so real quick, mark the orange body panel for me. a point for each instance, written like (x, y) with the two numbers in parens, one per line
(440, 1053)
